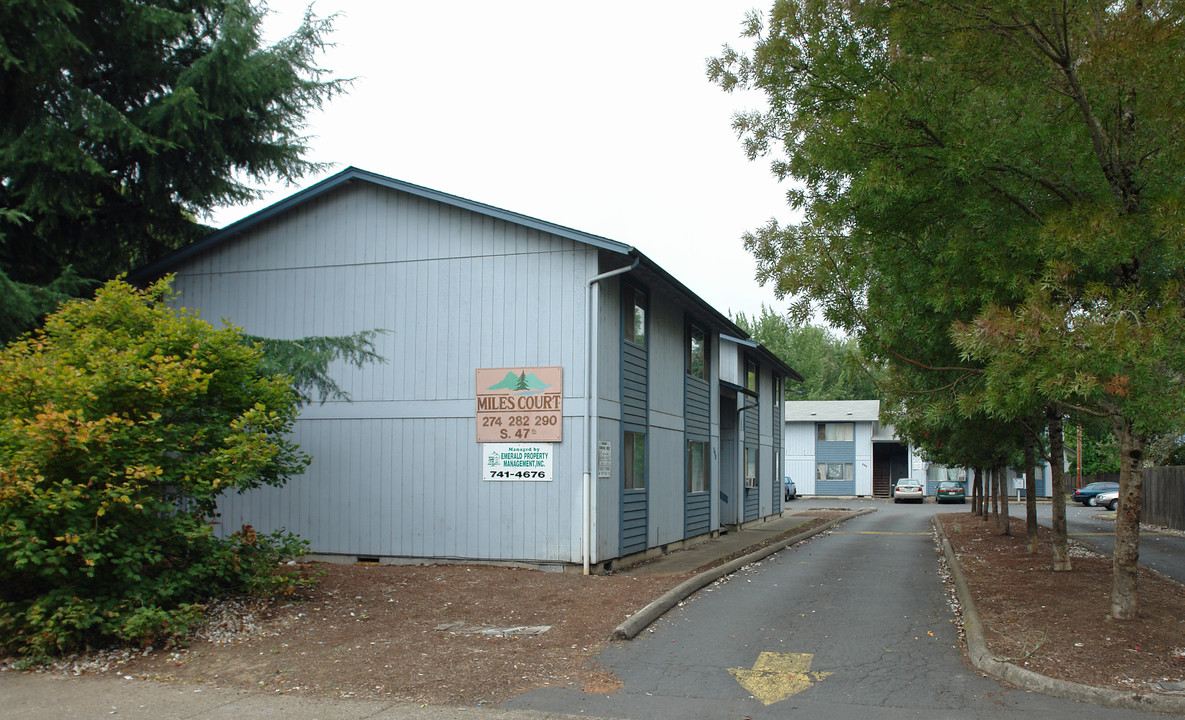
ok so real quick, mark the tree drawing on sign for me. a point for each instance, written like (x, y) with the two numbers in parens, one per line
(522, 382)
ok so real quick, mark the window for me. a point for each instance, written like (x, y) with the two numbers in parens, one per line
(777, 464)
(750, 467)
(836, 432)
(635, 322)
(750, 375)
(697, 353)
(941, 473)
(635, 461)
(836, 472)
(697, 466)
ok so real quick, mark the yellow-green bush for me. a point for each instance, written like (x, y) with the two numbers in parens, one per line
(121, 421)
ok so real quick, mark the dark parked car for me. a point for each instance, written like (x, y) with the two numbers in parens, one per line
(791, 491)
(950, 491)
(1086, 495)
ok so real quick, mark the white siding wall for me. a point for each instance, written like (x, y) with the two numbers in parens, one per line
(800, 455)
(397, 471)
(863, 469)
(731, 369)
(666, 373)
(717, 468)
(607, 512)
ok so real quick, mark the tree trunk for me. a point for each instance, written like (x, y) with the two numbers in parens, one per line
(1005, 519)
(1124, 589)
(976, 491)
(985, 502)
(1061, 548)
(994, 474)
(1031, 496)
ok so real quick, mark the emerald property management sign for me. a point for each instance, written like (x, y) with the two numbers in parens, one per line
(516, 461)
(520, 405)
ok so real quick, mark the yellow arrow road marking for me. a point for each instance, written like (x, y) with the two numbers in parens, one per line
(777, 676)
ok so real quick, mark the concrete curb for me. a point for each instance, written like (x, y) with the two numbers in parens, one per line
(640, 620)
(981, 657)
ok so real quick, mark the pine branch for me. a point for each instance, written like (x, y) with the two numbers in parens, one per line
(307, 360)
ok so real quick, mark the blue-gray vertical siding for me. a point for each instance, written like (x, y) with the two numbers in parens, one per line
(835, 452)
(634, 418)
(697, 509)
(775, 465)
(397, 471)
(633, 387)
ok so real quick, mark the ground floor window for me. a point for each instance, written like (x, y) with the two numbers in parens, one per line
(835, 472)
(635, 461)
(697, 466)
(750, 467)
(941, 473)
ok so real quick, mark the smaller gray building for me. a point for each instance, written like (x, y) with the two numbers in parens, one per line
(840, 447)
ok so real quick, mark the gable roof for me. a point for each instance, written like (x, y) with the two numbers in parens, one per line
(832, 411)
(353, 174)
(651, 270)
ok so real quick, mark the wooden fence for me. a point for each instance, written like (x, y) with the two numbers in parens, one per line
(1164, 497)
(1088, 479)
(1164, 494)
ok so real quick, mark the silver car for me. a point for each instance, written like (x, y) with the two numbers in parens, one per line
(1109, 500)
(907, 489)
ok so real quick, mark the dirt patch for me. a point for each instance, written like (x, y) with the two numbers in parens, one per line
(1058, 624)
(451, 634)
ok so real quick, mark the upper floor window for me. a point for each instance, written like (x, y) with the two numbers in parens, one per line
(836, 432)
(750, 375)
(635, 321)
(697, 352)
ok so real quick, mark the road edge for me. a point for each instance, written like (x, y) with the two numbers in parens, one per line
(642, 619)
(982, 658)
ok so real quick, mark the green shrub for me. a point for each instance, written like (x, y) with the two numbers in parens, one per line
(121, 421)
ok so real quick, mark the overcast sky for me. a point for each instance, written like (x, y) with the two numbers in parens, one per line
(597, 116)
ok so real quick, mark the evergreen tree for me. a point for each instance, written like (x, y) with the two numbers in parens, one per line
(121, 121)
(306, 361)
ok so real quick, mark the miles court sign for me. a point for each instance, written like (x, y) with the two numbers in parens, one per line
(520, 404)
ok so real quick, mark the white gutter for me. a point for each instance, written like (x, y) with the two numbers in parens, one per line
(591, 329)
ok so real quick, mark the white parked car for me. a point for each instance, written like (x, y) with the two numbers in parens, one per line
(907, 489)
(1109, 500)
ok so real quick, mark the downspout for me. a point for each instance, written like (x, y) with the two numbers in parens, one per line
(591, 328)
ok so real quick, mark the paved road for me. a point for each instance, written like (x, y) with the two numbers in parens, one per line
(853, 623)
(1163, 552)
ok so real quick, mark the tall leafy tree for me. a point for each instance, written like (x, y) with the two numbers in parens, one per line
(1006, 174)
(122, 121)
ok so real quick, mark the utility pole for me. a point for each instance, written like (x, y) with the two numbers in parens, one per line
(1079, 462)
